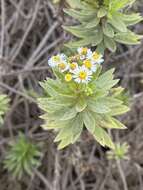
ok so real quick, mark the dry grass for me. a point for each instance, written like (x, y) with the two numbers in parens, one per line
(30, 33)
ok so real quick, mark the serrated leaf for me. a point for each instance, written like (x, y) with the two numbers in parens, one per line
(48, 89)
(105, 81)
(102, 137)
(70, 133)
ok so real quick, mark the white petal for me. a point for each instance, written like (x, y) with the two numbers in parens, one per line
(79, 49)
(77, 80)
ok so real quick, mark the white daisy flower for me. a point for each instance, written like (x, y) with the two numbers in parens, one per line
(73, 66)
(90, 65)
(96, 57)
(63, 66)
(55, 60)
(82, 75)
(84, 52)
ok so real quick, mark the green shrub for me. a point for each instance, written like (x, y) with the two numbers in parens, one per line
(81, 96)
(22, 157)
(102, 23)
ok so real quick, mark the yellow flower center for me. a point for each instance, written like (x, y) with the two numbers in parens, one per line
(96, 56)
(84, 51)
(74, 58)
(56, 58)
(68, 77)
(62, 66)
(82, 75)
(87, 64)
(73, 66)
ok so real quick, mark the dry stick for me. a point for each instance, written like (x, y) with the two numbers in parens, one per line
(122, 175)
(121, 170)
(27, 31)
(16, 91)
(139, 174)
(11, 20)
(105, 178)
(45, 181)
(56, 185)
(24, 71)
(47, 49)
(19, 10)
(40, 46)
(3, 27)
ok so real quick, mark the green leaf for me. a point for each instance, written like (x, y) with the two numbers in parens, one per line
(69, 114)
(108, 101)
(4, 106)
(105, 81)
(47, 85)
(98, 106)
(117, 124)
(109, 122)
(80, 15)
(102, 137)
(108, 30)
(119, 110)
(79, 31)
(46, 106)
(79, 43)
(101, 47)
(110, 43)
(101, 12)
(70, 133)
(131, 19)
(117, 22)
(81, 104)
(89, 120)
(98, 37)
(74, 3)
(116, 4)
(128, 38)
(93, 23)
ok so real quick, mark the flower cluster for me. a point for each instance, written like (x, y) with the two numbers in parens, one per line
(79, 67)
